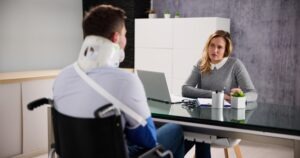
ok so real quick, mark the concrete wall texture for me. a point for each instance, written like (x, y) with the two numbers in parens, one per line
(266, 38)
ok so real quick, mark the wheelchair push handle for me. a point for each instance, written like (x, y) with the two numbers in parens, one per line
(102, 111)
(39, 102)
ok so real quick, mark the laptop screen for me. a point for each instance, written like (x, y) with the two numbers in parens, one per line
(155, 85)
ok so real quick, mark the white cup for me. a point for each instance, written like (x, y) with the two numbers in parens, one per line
(240, 114)
(217, 99)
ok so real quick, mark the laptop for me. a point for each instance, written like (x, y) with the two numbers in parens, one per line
(156, 88)
(155, 85)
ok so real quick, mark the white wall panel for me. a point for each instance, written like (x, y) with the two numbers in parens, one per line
(39, 34)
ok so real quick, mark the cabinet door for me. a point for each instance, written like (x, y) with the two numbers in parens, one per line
(158, 60)
(10, 120)
(193, 32)
(183, 62)
(177, 86)
(35, 123)
(154, 33)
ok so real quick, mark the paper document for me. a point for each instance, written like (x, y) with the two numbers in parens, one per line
(208, 102)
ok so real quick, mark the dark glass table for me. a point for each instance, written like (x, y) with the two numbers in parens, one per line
(258, 122)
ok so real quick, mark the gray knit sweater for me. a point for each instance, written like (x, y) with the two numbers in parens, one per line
(232, 74)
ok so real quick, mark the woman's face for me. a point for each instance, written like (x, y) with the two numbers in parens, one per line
(216, 49)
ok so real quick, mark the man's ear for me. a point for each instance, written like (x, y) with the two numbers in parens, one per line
(115, 37)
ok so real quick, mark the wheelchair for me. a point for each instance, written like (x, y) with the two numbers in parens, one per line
(99, 137)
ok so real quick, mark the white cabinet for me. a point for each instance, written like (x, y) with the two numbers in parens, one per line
(10, 120)
(173, 46)
(24, 133)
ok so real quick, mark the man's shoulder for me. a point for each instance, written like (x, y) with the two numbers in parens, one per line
(117, 72)
(66, 71)
(122, 72)
(113, 74)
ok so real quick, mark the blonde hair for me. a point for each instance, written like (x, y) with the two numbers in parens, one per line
(205, 61)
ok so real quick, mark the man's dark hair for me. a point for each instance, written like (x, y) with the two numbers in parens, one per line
(103, 20)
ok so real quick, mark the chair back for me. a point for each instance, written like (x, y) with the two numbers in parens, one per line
(88, 137)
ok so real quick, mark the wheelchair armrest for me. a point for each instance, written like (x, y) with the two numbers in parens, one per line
(39, 102)
(156, 152)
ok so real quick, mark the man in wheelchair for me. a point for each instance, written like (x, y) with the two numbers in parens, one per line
(101, 52)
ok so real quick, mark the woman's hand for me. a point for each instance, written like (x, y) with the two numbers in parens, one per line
(227, 97)
(232, 91)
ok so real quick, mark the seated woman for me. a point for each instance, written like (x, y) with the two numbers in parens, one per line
(216, 70)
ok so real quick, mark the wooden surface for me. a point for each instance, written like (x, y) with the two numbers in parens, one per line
(13, 77)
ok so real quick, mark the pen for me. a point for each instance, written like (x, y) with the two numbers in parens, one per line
(225, 90)
(227, 106)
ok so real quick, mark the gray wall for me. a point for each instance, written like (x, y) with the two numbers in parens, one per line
(265, 38)
(39, 34)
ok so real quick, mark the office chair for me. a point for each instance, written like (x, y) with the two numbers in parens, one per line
(97, 137)
(217, 142)
(227, 143)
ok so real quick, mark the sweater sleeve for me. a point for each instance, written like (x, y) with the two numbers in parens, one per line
(189, 88)
(244, 81)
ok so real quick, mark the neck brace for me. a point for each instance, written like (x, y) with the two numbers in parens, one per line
(97, 51)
